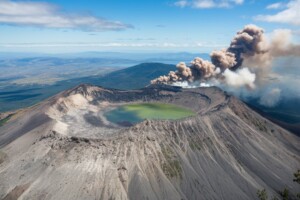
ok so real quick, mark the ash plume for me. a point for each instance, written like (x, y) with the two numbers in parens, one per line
(281, 44)
(223, 59)
(199, 69)
(244, 63)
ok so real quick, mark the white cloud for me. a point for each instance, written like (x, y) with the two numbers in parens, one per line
(47, 15)
(290, 15)
(202, 4)
(275, 5)
(109, 44)
(182, 3)
(24, 8)
(239, 1)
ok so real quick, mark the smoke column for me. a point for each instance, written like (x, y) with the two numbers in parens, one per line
(246, 60)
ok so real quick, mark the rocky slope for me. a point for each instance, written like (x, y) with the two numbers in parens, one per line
(64, 148)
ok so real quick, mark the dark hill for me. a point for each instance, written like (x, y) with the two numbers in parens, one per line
(134, 77)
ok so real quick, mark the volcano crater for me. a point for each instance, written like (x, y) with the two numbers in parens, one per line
(95, 112)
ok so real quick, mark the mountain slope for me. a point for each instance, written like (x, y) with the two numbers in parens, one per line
(134, 77)
(226, 151)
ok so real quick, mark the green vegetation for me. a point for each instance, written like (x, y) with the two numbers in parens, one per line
(3, 156)
(285, 194)
(172, 167)
(297, 176)
(262, 194)
(260, 126)
(195, 145)
(198, 144)
(4, 120)
(297, 180)
(134, 113)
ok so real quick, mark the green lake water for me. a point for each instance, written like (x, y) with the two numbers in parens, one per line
(133, 113)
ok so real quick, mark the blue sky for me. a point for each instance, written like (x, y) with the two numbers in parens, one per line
(134, 25)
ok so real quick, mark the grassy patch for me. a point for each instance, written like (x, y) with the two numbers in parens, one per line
(198, 144)
(260, 126)
(6, 119)
(172, 167)
(195, 145)
(3, 156)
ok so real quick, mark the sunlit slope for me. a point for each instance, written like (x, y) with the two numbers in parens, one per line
(64, 148)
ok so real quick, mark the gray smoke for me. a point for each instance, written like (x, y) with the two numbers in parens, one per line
(199, 69)
(270, 98)
(246, 43)
(245, 67)
(223, 59)
(281, 44)
(245, 62)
